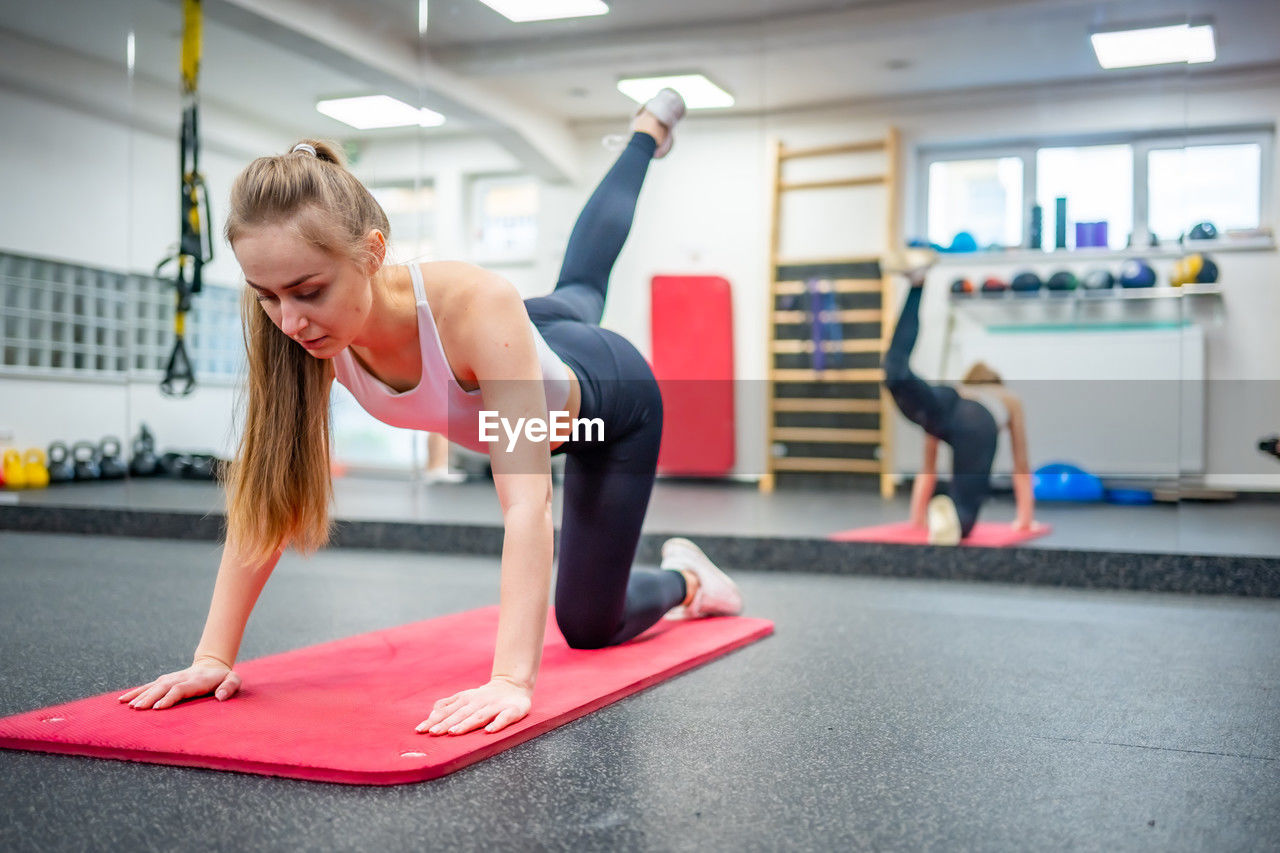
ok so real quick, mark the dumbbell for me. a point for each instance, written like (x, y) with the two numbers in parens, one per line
(173, 464)
(202, 467)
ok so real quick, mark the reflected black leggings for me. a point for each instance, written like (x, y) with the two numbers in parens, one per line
(601, 599)
(966, 425)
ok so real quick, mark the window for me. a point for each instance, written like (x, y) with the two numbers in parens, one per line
(69, 320)
(1128, 185)
(1221, 184)
(1097, 183)
(504, 215)
(983, 197)
(411, 213)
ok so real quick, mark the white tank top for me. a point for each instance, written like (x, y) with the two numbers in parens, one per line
(993, 402)
(438, 403)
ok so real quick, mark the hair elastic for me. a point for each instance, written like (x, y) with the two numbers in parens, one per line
(302, 146)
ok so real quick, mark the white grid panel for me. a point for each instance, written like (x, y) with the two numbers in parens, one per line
(64, 320)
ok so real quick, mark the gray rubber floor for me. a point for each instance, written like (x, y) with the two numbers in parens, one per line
(882, 715)
(1250, 527)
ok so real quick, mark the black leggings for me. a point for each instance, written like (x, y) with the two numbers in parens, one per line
(601, 599)
(964, 424)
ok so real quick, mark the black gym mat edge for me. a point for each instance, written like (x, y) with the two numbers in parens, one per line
(1200, 574)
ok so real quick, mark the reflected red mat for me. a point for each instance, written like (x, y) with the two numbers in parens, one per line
(345, 711)
(985, 535)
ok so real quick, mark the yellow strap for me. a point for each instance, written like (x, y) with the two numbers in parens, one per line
(193, 215)
(180, 323)
(191, 26)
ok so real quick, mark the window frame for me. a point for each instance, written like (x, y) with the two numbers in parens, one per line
(1141, 144)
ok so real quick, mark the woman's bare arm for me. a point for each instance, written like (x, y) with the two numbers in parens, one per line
(926, 480)
(496, 343)
(1024, 495)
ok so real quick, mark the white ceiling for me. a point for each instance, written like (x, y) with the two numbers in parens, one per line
(268, 61)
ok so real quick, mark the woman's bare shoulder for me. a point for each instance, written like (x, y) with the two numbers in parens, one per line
(459, 278)
(460, 292)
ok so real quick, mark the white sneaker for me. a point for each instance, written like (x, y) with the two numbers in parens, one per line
(443, 476)
(668, 108)
(944, 521)
(717, 594)
(912, 263)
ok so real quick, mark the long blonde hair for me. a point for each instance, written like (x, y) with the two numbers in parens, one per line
(279, 488)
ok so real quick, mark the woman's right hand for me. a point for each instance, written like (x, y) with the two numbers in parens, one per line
(200, 679)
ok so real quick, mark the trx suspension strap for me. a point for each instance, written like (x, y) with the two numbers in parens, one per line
(195, 244)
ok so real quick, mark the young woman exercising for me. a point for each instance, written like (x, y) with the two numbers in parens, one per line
(969, 419)
(434, 347)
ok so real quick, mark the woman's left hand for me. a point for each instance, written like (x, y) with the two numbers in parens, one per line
(495, 706)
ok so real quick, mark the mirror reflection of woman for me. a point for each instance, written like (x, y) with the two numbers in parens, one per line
(432, 347)
(968, 418)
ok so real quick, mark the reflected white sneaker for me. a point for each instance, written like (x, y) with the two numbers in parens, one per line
(944, 521)
(443, 476)
(912, 263)
(717, 594)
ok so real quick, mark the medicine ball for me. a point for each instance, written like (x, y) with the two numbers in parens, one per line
(1194, 269)
(962, 285)
(1063, 280)
(1137, 273)
(994, 285)
(1025, 282)
(1098, 279)
(1203, 231)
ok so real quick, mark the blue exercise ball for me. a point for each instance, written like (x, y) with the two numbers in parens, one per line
(964, 242)
(1062, 482)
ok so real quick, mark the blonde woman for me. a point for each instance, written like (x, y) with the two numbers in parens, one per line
(441, 347)
(969, 419)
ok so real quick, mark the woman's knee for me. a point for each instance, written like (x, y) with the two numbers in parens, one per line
(581, 633)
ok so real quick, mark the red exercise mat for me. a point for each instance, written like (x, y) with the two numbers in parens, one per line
(984, 534)
(345, 711)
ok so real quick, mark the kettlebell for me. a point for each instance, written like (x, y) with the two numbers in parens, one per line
(14, 471)
(144, 454)
(33, 468)
(111, 465)
(85, 455)
(60, 468)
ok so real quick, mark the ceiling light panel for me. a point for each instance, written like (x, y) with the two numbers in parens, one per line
(521, 11)
(698, 92)
(1154, 46)
(376, 111)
